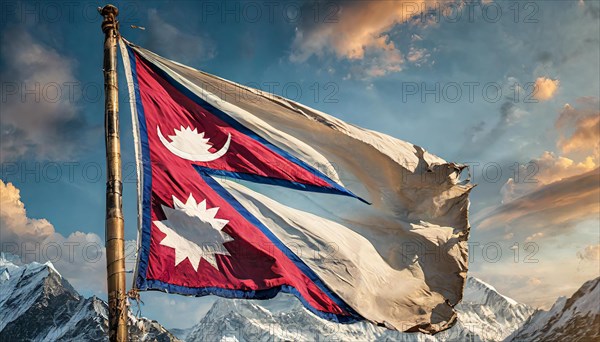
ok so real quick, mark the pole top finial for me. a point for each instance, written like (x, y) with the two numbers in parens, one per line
(110, 13)
(108, 10)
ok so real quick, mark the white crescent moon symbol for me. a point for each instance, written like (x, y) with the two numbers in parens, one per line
(195, 147)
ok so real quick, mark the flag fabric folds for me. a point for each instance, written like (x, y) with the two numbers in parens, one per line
(243, 194)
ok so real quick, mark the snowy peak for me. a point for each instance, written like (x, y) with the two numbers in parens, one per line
(283, 319)
(37, 304)
(479, 292)
(585, 301)
(24, 287)
(575, 319)
(484, 315)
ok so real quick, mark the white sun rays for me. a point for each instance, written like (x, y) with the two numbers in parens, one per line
(194, 232)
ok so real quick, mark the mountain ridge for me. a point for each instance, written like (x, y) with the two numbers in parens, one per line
(38, 304)
(576, 318)
(284, 318)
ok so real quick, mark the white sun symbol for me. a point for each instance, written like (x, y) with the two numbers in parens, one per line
(194, 232)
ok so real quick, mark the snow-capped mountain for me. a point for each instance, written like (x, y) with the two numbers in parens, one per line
(38, 304)
(180, 333)
(484, 315)
(573, 319)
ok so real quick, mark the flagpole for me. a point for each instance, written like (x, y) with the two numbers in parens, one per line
(115, 235)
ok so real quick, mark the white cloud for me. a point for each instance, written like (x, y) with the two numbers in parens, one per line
(380, 63)
(79, 257)
(535, 236)
(589, 253)
(417, 56)
(39, 116)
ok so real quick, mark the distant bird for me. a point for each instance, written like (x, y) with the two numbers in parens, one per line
(138, 27)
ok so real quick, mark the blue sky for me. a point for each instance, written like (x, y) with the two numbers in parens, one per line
(447, 80)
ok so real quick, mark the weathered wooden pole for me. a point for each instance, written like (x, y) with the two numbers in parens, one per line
(115, 235)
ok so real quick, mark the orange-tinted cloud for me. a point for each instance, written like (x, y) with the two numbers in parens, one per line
(564, 189)
(580, 127)
(552, 207)
(553, 168)
(16, 226)
(578, 143)
(360, 32)
(545, 88)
